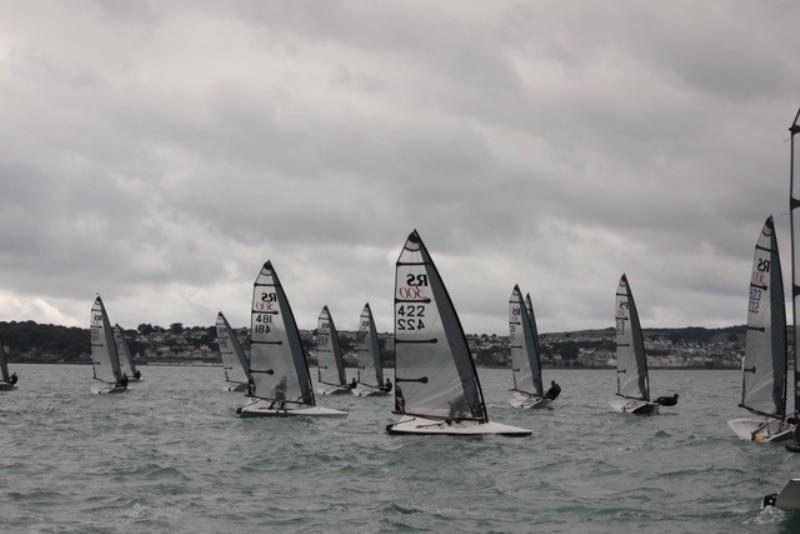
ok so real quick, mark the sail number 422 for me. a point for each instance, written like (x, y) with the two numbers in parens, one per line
(409, 317)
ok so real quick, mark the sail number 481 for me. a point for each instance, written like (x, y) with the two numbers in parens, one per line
(409, 317)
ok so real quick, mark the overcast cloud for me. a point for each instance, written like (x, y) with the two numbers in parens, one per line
(158, 153)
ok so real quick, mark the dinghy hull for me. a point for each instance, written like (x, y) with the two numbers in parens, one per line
(332, 390)
(760, 430)
(638, 407)
(528, 402)
(362, 391)
(420, 426)
(7, 386)
(261, 408)
(106, 389)
(236, 387)
(788, 499)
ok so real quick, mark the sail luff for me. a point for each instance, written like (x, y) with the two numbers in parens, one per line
(434, 365)
(794, 206)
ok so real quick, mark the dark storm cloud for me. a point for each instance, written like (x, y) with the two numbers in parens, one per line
(159, 153)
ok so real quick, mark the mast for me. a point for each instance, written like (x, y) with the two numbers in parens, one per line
(794, 204)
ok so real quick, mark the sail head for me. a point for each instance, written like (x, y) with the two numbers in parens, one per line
(434, 373)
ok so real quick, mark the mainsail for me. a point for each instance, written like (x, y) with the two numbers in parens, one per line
(330, 362)
(764, 365)
(105, 360)
(126, 365)
(234, 362)
(522, 341)
(3, 363)
(277, 360)
(370, 367)
(632, 380)
(535, 353)
(794, 207)
(434, 371)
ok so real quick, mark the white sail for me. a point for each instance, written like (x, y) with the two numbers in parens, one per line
(632, 378)
(4, 376)
(764, 364)
(370, 367)
(519, 342)
(277, 360)
(434, 373)
(330, 361)
(104, 350)
(234, 361)
(126, 365)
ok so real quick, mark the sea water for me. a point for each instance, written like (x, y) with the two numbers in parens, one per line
(171, 455)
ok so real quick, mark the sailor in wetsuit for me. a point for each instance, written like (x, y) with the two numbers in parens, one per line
(387, 386)
(137, 375)
(399, 401)
(553, 392)
(280, 394)
(353, 383)
(668, 400)
(123, 380)
(12, 379)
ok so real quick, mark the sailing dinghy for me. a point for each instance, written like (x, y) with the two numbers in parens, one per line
(234, 361)
(526, 368)
(370, 366)
(764, 367)
(633, 382)
(280, 382)
(436, 386)
(7, 381)
(126, 365)
(105, 361)
(331, 376)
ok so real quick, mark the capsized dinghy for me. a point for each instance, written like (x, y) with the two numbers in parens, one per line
(234, 361)
(633, 381)
(436, 386)
(370, 365)
(331, 377)
(126, 364)
(7, 381)
(764, 367)
(280, 382)
(526, 369)
(105, 361)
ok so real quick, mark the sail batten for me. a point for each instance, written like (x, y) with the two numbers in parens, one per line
(434, 371)
(370, 367)
(632, 378)
(277, 360)
(105, 359)
(234, 361)
(330, 360)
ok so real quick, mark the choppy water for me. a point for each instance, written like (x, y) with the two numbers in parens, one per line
(171, 456)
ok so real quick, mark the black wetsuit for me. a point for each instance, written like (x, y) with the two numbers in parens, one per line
(553, 392)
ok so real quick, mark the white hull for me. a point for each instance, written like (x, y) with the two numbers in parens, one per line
(418, 425)
(523, 401)
(366, 391)
(102, 388)
(326, 389)
(638, 407)
(261, 408)
(789, 497)
(7, 386)
(236, 386)
(760, 430)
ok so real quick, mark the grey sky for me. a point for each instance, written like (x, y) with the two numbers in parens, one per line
(158, 153)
